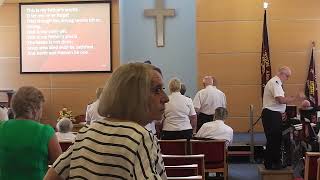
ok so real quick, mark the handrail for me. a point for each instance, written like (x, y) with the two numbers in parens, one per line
(251, 134)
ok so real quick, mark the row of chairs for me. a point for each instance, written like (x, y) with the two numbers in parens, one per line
(189, 158)
(178, 167)
(214, 152)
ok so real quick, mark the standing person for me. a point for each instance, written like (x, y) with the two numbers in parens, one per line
(207, 100)
(118, 146)
(26, 146)
(92, 109)
(217, 129)
(180, 118)
(274, 105)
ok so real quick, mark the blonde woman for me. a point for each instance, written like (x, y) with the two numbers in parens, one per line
(180, 116)
(118, 146)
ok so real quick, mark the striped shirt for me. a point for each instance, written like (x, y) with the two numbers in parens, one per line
(112, 150)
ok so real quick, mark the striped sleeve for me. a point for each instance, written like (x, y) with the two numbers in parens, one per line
(62, 164)
(144, 163)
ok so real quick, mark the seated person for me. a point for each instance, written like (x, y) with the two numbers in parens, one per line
(92, 109)
(64, 127)
(216, 129)
(27, 147)
(118, 146)
(3, 113)
(151, 127)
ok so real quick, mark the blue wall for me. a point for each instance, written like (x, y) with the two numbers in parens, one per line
(137, 39)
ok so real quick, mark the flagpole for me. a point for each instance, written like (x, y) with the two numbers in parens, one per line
(315, 72)
(311, 90)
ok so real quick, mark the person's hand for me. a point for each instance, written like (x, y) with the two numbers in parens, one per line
(193, 134)
(301, 96)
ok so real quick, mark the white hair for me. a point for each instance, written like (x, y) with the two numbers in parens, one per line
(64, 125)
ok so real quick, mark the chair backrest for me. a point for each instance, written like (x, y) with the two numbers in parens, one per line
(318, 169)
(175, 160)
(186, 178)
(214, 151)
(174, 147)
(182, 170)
(310, 170)
(65, 145)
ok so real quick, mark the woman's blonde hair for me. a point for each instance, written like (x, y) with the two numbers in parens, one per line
(26, 100)
(98, 92)
(174, 85)
(127, 92)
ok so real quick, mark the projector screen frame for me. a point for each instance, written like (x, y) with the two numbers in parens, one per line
(66, 2)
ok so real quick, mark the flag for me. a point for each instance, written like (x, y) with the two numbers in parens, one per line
(265, 56)
(311, 90)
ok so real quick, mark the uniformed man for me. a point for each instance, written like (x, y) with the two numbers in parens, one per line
(207, 100)
(274, 105)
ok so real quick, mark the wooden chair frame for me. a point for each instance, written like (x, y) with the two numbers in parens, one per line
(308, 162)
(190, 157)
(184, 141)
(223, 169)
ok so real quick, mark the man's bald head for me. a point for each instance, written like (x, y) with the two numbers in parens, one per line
(284, 73)
(209, 80)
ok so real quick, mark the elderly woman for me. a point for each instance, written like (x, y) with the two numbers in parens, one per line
(25, 144)
(64, 133)
(180, 119)
(118, 146)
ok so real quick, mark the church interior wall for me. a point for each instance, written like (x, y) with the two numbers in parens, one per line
(73, 91)
(229, 37)
(178, 56)
(227, 45)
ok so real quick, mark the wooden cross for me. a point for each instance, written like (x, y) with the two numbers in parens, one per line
(159, 13)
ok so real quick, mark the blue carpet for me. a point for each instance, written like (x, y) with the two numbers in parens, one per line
(244, 138)
(243, 172)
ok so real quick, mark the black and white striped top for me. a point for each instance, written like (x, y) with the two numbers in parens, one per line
(109, 149)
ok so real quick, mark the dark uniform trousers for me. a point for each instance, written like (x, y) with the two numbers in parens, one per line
(203, 118)
(272, 121)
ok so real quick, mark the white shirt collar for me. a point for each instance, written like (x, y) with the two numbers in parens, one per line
(211, 86)
(174, 93)
(278, 80)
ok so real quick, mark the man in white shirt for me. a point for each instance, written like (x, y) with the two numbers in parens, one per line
(207, 100)
(217, 129)
(274, 105)
(92, 109)
(3, 113)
